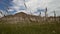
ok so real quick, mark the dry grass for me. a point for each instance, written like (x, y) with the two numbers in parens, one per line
(30, 28)
(28, 24)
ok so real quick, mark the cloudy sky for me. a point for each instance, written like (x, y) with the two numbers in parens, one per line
(32, 5)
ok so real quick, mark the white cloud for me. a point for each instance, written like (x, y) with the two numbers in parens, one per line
(33, 4)
(1, 15)
(54, 6)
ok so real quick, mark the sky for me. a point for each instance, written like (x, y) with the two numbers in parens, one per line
(17, 6)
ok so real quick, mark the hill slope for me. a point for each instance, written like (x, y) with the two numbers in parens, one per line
(20, 17)
(23, 17)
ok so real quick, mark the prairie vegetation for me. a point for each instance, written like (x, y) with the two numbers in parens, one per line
(30, 28)
(27, 24)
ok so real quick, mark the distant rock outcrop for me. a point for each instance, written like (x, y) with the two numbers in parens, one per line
(20, 17)
(26, 18)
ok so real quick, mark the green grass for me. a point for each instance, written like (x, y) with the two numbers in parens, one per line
(30, 28)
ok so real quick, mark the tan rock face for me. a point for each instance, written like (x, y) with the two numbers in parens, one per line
(22, 17)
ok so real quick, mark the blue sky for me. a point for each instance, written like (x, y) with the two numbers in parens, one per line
(32, 5)
(4, 3)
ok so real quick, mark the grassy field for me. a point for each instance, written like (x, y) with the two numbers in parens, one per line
(30, 28)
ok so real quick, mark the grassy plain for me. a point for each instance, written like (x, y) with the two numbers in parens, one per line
(30, 28)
